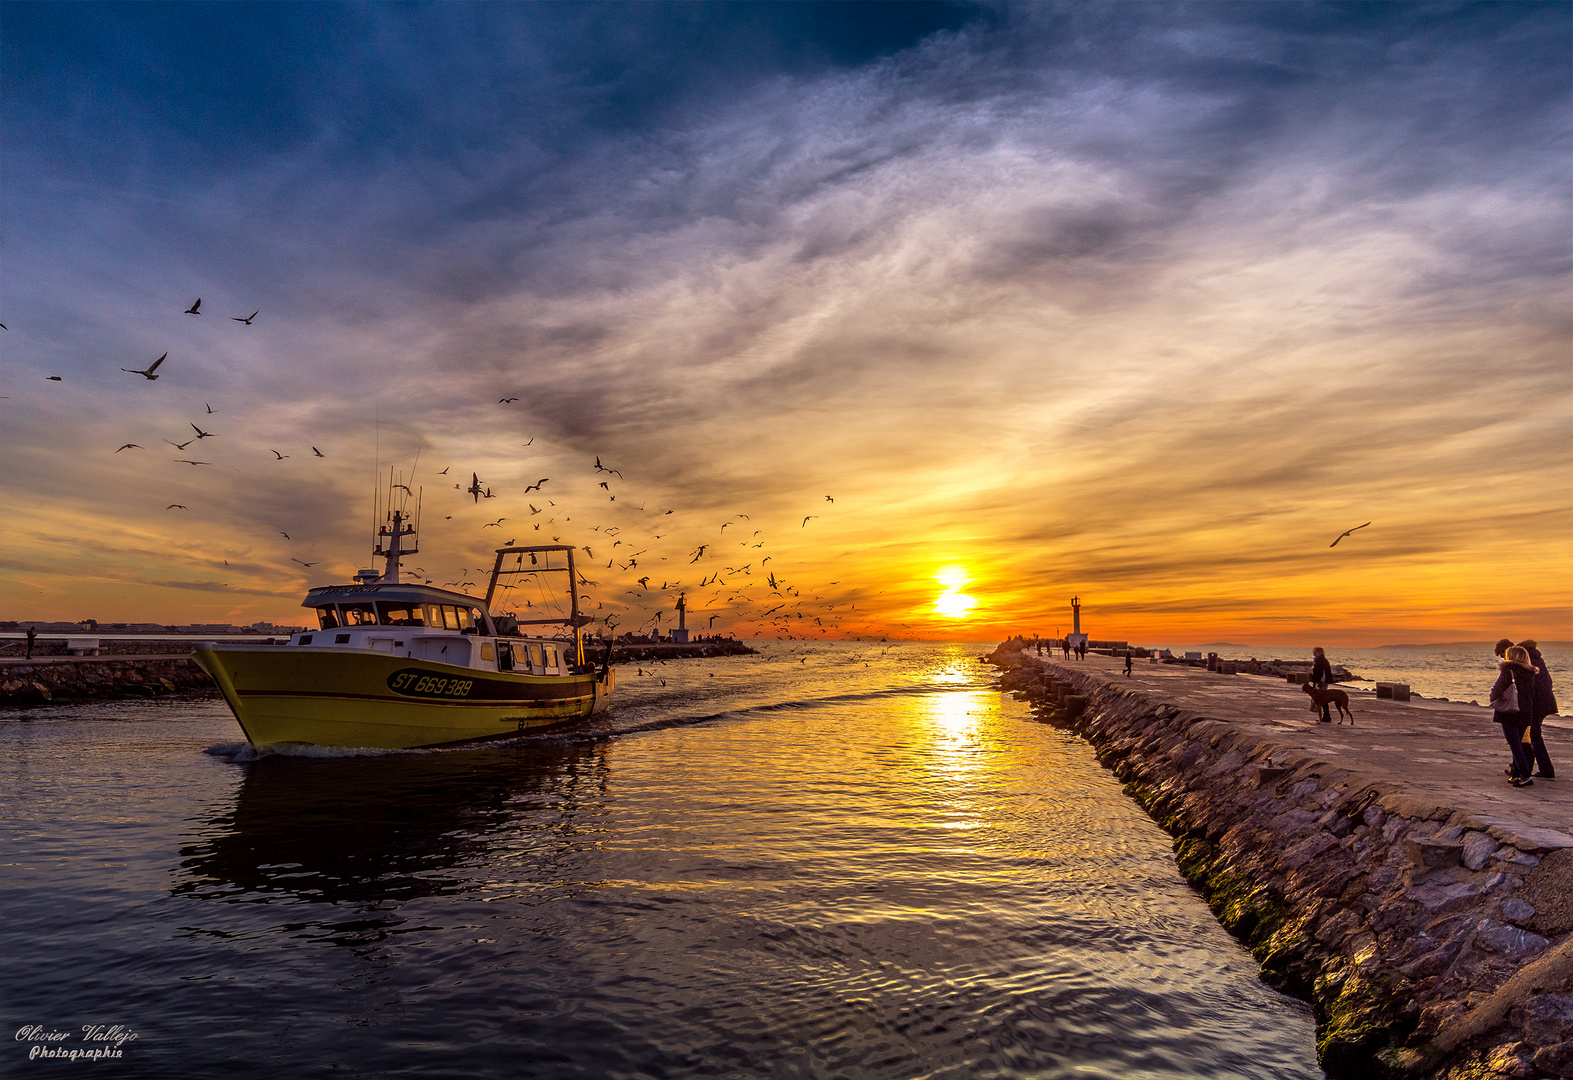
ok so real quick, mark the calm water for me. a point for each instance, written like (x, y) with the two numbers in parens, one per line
(842, 861)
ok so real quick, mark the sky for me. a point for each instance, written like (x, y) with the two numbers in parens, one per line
(907, 320)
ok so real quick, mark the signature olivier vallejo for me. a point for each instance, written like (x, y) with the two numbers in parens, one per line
(106, 1042)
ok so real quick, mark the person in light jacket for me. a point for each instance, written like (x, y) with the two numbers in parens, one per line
(1517, 672)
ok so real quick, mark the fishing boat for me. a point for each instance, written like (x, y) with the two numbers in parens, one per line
(396, 664)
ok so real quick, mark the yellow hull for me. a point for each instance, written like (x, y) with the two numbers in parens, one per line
(340, 697)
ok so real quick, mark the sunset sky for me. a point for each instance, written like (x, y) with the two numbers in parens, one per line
(1141, 303)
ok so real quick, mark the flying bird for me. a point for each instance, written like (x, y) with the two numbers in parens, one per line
(129, 446)
(806, 520)
(180, 506)
(284, 534)
(275, 453)
(537, 485)
(237, 318)
(1341, 535)
(151, 368)
(319, 453)
(603, 485)
(445, 471)
(828, 499)
(177, 445)
(475, 486)
(293, 559)
(506, 400)
(192, 310)
(209, 407)
(187, 461)
(52, 378)
(200, 433)
(494, 524)
(532, 439)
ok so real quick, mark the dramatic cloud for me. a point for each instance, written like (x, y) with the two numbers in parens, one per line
(1145, 304)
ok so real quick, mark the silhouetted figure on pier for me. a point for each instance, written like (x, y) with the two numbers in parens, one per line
(32, 636)
(1127, 665)
(1321, 676)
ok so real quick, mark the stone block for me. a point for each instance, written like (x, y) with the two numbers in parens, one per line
(1393, 691)
(1516, 910)
(1432, 854)
(1478, 850)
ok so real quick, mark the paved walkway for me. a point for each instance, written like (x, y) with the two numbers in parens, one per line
(1448, 753)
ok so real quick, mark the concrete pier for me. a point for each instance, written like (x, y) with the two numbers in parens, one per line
(1385, 870)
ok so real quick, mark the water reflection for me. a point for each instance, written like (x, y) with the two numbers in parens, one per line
(378, 831)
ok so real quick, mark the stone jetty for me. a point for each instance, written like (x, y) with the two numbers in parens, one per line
(1385, 871)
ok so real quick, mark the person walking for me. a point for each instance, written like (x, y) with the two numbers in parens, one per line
(32, 636)
(1321, 676)
(1127, 665)
(1513, 699)
(1545, 705)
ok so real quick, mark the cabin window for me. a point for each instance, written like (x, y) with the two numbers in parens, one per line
(504, 657)
(358, 614)
(328, 617)
(537, 656)
(433, 615)
(305, 639)
(400, 614)
(552, 658)
(450, 617)
(487, 652)
(466, 618)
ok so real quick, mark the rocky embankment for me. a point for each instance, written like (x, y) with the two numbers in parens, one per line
(1431, 941)
(27, 684)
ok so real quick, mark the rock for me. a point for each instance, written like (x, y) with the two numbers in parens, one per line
(1432, 854)
(1510, 940)
(1546, 1019)
(1478, 850)
(1516, 910)
(1555, 1060)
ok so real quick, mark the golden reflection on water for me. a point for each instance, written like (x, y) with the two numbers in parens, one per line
(958, 754)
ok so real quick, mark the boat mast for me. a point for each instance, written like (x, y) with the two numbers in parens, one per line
(390, 540)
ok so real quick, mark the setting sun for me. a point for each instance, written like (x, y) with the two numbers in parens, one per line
(953, 603)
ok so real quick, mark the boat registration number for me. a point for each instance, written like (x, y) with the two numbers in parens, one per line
(412, 682)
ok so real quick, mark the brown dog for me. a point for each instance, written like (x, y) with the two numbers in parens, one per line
(1329, 697)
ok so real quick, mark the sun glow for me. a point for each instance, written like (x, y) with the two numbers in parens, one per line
(953, 603)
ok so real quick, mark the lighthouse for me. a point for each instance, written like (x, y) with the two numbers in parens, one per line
(680, 635)
(1076, 638)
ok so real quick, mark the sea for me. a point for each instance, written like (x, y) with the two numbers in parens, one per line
(833, 860)
(1454, 671)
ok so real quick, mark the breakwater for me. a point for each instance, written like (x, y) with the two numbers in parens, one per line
(1428, 923)
(52, 679)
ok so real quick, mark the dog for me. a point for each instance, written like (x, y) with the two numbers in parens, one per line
(1329, 697)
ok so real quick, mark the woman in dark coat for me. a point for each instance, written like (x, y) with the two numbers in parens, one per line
(1517, 672)
(1545, 705)
(1321, 676)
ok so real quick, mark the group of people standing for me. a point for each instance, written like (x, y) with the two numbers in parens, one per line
(1522, 698)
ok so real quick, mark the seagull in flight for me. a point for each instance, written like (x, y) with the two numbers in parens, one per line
(176, 445)
(284, 534)
(1341, 535)
(179, 506)
(537, 485)
(210, 408)
(192, 310)
(129, 446)
(307, 564)
(475, 486)
(200, 433)
(151, 368)
(188, 461)
(246, 320)
(275, 453)
(319, 453)
(806, 520)
(494, 524)
(506, 400)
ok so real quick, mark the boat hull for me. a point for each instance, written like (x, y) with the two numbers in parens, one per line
(361, 698)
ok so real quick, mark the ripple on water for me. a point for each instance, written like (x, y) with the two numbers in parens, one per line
(765, 868)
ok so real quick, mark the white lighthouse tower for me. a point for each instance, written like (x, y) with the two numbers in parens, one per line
(1076, 638)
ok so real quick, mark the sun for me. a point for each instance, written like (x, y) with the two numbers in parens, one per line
(952, 602)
